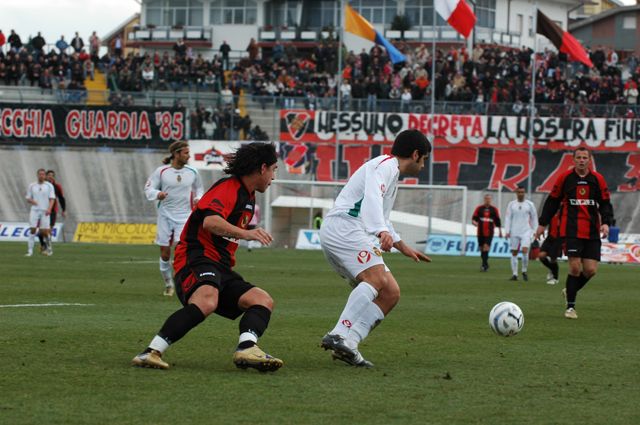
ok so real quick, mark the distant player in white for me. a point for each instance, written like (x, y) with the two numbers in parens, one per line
(521, 220)
(352, 235)
(41, 195)
(175, 187)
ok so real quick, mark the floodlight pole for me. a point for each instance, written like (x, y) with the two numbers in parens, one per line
(336, 172)
(532, 101)
(433, 106)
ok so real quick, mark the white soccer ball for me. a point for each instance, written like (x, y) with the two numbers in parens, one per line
(506, 319)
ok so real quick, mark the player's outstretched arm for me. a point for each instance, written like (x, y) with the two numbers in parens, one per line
(219, 226)
(415, 255)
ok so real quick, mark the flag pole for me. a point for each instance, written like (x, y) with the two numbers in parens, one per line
(532, 101)
(336, 171)
(433, 106)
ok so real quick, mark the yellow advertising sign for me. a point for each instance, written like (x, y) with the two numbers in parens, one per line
(125, 233)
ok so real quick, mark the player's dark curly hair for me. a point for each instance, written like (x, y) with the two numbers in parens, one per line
(409, 141)
(250, 157)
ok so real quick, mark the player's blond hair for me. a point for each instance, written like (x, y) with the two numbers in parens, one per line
(174, 148)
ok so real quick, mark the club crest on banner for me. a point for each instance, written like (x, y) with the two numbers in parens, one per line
(297, 123)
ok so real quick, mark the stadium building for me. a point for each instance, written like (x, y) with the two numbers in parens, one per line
(206, 24)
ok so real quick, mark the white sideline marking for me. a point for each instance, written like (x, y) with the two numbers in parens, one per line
(43, 305)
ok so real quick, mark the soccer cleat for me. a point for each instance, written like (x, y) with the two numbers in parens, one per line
(357, 361)
(549, 276)
(338, 345)
(255, 358)
(484, 268)
(513, 278)
(152, 359)
(552, 281)
(571, 313)
(169, 291)
(29, 254)
(47, 252)
(525, 277)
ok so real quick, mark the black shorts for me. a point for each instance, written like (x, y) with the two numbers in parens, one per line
(231, 287)
(484, 240)
(552, 246)
(583, 248)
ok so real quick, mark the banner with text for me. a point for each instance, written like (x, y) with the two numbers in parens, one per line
(118, 233)
(90, 125)
(210, 154)
(19, 232)
(610, 134)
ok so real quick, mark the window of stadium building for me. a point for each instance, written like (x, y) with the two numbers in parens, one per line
(241, 12)
(320, 14)
(486, 13)
(174, 12)
(280, 13)
(420, 13)
(376, 11)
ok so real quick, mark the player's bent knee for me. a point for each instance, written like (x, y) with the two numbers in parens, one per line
(256, 296)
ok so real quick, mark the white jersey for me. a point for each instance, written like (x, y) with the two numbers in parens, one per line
(369, 195)
(520, 217)
(41, 193)
(182, 186)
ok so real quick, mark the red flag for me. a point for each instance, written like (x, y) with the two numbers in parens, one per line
(564, 42)
(458, 14)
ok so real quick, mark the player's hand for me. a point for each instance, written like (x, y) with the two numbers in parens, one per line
(32, 201)
(47, 212)
(539, 232)
(386, 241)
(260, 235)
(63, 214)
(604, 229)
(162, 195)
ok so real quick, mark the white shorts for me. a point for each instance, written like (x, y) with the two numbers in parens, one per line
(523, 240)
(40, 219)
(348, 248)
(168, 231)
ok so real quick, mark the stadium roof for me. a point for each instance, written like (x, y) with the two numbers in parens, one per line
(120, 28)
(603, 15)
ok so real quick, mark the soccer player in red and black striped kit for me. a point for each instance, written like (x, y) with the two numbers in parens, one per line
(585, 214)
(486, 218)
(205, 256)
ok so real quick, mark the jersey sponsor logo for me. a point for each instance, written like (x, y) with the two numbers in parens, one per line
(364, 257)
(347, 323)
(249, 207)
(582, 202)
(212, 274)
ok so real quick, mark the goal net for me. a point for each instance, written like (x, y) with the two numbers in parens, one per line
(419, 210)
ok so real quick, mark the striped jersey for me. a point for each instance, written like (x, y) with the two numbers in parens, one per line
(41, 193)
(229, 199)
(488, 218)
(369, 195)
(182, 187)
(583, 203)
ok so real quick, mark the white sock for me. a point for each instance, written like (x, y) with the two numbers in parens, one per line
(47, 243)
(368, 320)
(358, 301)
(31, 242)
(525, 262)
(247, 336)
(166, 272)
(159, 344)
(514, 265)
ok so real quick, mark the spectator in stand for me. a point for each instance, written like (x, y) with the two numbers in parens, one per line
(253, 50)
(62, 45)
(405, 100)
(224, 51)
(46, 82)
(38, 44)
(180, 49)
(77, 43)
(88, 69)
(117, 46)
(94, 47)
(14, 41)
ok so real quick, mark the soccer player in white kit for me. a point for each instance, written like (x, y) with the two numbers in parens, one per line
(521, 220)
(353, 234)
(176, 187)
(41, 195)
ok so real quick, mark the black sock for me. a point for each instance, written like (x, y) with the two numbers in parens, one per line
(41, 239)
(582, 280)
(485, 258)
(181, 322)
(546, 262)
(572, 290)
(254, 320)
(555, 269)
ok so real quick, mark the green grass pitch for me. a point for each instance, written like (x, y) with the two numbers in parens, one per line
(437, 361)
